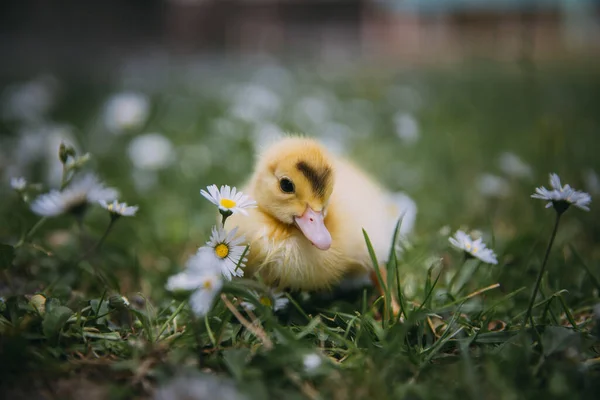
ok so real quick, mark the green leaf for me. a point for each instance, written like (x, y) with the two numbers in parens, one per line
(106, 336)
(55, 319)
(558, 338)
(7, 255)
(100, 307)
(236, 360)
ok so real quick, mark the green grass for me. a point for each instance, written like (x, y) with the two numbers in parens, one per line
(462, 334)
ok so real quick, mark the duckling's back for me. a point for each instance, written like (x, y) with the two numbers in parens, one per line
(357, 203)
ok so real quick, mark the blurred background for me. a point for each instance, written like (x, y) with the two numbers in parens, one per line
(461, 104)
(70, 35)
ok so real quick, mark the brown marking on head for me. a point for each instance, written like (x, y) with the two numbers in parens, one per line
(318, 179)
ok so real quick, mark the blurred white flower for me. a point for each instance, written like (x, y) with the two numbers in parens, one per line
(274, 299)
(126, 111)
(592, 181)
(475, 248)
(121, 209)
(226, 251)
(253, 103)
(118, 302)
(402, 206)
(81, 191)
(228, 199)
(151, 151)
(18, 184)
(561, 197)
(444, 230)
(265, 134)
(274, 76)
(311, 362)
(39, 144)
(312, 111)
(334, 137)
(407, 127)
(512, 165)
(201, 276)
(29, 101)
(493, 186)
(198, 386)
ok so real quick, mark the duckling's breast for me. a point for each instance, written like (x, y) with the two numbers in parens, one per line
(288, 260)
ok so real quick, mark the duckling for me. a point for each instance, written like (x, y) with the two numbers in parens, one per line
(306, 231)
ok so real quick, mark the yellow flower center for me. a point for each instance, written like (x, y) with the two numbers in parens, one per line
(475, 250)
(468, 246)
(222, 250)
(266, 301)
(207, 285)
(227, 203)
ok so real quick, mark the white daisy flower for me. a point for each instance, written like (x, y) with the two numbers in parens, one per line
(126, 111)
(226, 251)
(561, 197)
(311, 361)
(119, 209)
(203, 278)
(18, 184)
(276, 300)
(475, 248)
(83, 190)
(228, 199)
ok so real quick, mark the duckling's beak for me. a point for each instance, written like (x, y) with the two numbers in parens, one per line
(312, 225)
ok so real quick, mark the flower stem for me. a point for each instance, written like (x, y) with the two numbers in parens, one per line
(32, 231)
(226, 214)
(99, 243)
(536, 288)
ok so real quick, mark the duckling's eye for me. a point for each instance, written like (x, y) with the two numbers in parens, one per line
(286, 185)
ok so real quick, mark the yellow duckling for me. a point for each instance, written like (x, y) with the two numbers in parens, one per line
(306, 232)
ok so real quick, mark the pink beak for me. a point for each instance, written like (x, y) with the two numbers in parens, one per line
(313, 227)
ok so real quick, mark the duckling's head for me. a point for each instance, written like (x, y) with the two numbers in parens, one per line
(292, 182)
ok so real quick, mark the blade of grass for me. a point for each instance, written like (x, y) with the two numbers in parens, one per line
(171, 318)
(541, 303)
(471, 295)
(568, 313)
(392, 266)
(401, 301)
(505, 298)
(593, 278)
(384, 285)
(211, 335)
(309, 328)
(297, 306)
(446, 336)
(431, 288)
